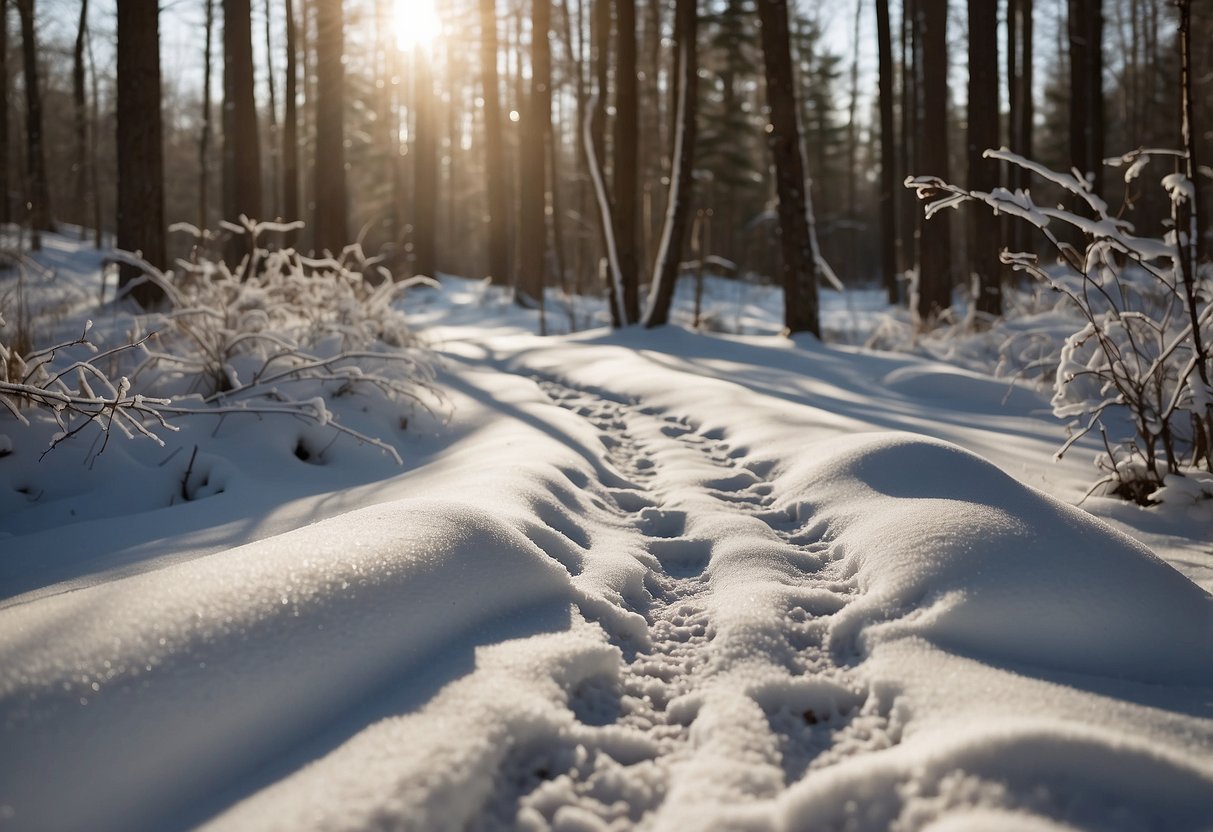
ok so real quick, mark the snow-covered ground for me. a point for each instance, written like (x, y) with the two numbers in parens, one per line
(643, 578)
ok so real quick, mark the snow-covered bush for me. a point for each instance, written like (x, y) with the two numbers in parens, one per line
(1140, 358)
(280, 334)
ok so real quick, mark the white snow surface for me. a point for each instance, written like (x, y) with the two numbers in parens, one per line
(653, 579)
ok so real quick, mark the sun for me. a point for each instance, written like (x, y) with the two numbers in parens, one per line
(417, 23)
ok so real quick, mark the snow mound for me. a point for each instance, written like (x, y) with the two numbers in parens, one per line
(215, 665)
(970, 391)
(963, 555)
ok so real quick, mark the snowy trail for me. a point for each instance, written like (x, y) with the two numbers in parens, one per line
(737, 700)
(633, 592)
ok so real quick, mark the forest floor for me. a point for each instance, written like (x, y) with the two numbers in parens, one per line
(659, 579)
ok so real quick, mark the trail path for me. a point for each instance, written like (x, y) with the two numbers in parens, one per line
(731, 691)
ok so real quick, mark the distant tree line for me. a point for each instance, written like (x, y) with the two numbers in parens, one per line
(581, 144)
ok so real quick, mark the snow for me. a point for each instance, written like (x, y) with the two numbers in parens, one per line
(658, 578)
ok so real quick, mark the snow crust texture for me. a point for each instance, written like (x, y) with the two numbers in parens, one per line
(635, 591)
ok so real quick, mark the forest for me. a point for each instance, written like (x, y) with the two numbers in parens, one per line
(596, 415)
(461, 138)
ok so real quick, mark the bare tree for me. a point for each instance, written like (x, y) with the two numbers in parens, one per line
(797, 265)
(494, 156)
(626, 151)
(331, 216)
(39, 197)
(274, 193)
(935, 241)
(80, 105)
(140, 145)
(5, 204)
(1085, 27)
(290, 124)
(204, 135)
(425, 168)
(982, 135)
(533, 187)
(682, 163)
(241, 149)
(888, 171)
(1020, 100)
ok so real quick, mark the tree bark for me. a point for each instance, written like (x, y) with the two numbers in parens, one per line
(533, 190)
(494, 157)
(626, 155)
(241, 150)
(888, 171)
(797, 263)
(140, 144)
(331, 213)
(39, 197)
(982, 134)
(935, 241)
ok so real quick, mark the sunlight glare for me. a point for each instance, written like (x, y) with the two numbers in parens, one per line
(417, 24)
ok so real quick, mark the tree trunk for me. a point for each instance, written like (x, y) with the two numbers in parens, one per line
(140, 146)
(533, 190)
(5, 204)
(204, 138)
(331, 216)
(984, 243)
(494, 157)
(682, 163)
(425, 168)
(888, 171)
(93, 167)
(797, 264)
(626, 154)
(935, 241)
(241, 150)
(600, 40)
(80, 105)
(39, 197)
(853, 220)
(272, 203)
(1085, 27)
(911, 214)
(290, 128)
(1020, 116)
